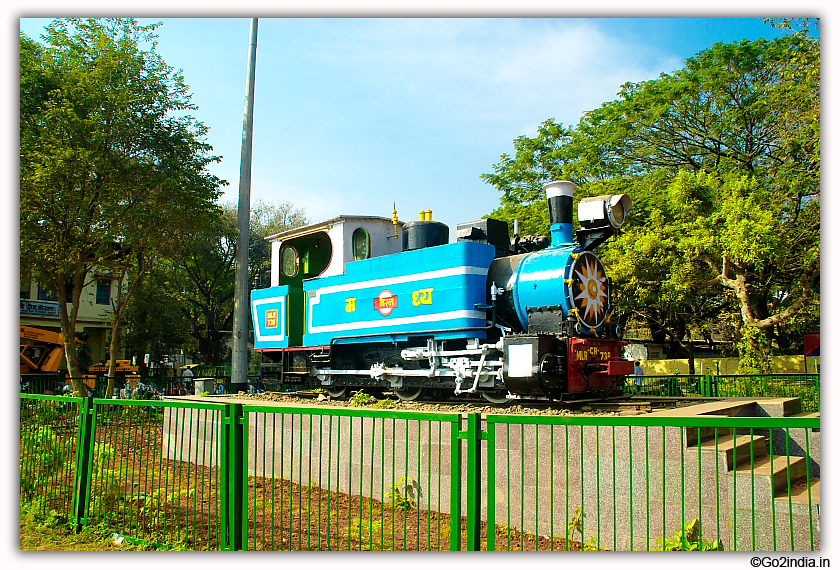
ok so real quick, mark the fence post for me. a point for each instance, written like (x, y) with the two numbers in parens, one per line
(473, 435)
(234, 478)
(707, 386)
(455, 487)
(84, 462)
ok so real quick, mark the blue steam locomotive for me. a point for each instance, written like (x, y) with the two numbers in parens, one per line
(376, 303)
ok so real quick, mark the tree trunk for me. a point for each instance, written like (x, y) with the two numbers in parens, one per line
(112, 362)
(123, 298)
(690, 347)
(68, 323)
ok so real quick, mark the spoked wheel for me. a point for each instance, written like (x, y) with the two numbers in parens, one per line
(336, 391)
(408, 394)
(497, 397)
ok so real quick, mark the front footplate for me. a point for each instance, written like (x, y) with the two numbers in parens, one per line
(534, 365)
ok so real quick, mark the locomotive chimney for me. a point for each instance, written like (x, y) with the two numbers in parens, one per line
(560, 194)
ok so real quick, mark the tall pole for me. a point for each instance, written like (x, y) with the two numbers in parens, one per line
(241, 294)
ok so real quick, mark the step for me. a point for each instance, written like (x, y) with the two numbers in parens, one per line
(704, 434)
(737, 447)
(806, 415)
(777, 468)
(799, 492)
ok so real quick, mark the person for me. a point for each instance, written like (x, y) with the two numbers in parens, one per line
(638, 374)
(188, 374)
(179, 389)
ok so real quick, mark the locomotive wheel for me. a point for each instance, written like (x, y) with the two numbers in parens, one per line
(496, 397)
(336, 391)
(408, 394)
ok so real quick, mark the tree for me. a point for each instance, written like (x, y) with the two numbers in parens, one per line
(110, 163)
(201, 272)
(724, 173)
(154, 321)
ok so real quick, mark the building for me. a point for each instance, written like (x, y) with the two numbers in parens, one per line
(39, 308)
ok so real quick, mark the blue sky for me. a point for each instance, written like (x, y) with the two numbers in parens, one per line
(352, 115)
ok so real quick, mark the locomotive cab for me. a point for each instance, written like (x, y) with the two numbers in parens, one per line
(301, 254)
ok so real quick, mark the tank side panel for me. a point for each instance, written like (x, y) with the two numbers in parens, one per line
(269, 314)
(426, 289)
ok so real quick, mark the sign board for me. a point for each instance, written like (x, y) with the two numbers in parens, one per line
(38, 308)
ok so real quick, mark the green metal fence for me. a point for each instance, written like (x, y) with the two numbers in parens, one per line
(49, 440)
(155, 471)
(672, 385)
(208, 476)
(343, 479)
(806, 387)
(651, 483)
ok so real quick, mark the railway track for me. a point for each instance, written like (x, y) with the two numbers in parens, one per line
(621, 405)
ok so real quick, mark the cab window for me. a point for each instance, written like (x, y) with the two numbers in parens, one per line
(361, 244)
(289, 261)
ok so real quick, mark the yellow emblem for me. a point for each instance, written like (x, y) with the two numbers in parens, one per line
(422, 297)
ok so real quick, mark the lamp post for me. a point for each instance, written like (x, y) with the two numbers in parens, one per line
(239, 362)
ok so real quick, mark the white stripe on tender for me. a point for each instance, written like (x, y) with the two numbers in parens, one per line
(402, 279)
(396, 322)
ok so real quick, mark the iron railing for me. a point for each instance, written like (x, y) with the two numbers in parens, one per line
(652, 483)
(210, 475)
(344, 479)
(49, 458)
(806, 387)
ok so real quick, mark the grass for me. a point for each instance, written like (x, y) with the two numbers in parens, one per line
(40, 534)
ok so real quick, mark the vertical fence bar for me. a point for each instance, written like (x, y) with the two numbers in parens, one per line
(491, 486)
(473, 437)
(234, 477)
(455, 488)
(84, 457)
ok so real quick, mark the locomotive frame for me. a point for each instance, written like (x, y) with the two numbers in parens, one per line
(352, 306)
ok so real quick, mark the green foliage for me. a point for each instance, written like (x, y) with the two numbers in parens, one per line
(576, 526)
(368, 534)
(113, 168)
(361, 399)
(47, 412)
(384, 404)
(403, 494)
(721, 160)
(749, 347)
(156, 323)
(688, 538)
(34, 512)
(43, 454)
(196, 282)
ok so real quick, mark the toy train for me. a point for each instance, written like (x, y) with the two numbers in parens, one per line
(375, 303)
